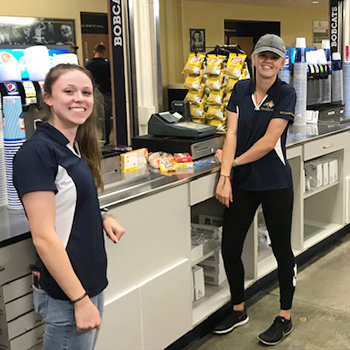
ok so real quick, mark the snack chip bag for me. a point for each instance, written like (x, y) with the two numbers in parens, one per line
(195, 96)
(230, 83)
(167, 165)
(227, 97)
(214, 122)
(214, 82)
(214, 63)
(197, 111)
(194, 64)
(235, 65)
(198, 120)
(221, 129)
(193, 82)
(215, 97)
(244, 74)
(215, 112)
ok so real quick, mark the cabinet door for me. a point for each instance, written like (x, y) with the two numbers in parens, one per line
(166, 307)
(121, 323)
(15, 260)
(325, 145)
(158, 235)
(203, 188)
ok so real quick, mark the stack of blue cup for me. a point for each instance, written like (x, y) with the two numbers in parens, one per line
(3, 187)
(14, 137)
(284, 73)
(346, 70)
(337, 78)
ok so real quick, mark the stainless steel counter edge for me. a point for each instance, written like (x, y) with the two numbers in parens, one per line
(298, 135)
(111, 199)
(12, 231)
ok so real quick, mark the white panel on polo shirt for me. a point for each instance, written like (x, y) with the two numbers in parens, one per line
(278, 149)
(65, 200)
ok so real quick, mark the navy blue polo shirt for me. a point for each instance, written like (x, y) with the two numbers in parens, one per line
(46, 162)
(271, 171)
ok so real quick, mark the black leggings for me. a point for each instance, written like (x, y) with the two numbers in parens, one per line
(277, 207)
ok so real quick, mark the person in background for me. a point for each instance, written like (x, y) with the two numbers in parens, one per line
(260, 111)
(55, 174)
(100, 69)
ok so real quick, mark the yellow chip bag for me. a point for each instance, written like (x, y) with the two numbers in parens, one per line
(221, 129)
(195, 96)
(215, 112)
(167, 165)
(215, 97)
(198, 120)
(235, 65)
(214, 63)
(227, 97)
(230, 83)
(193, 82)
(194, 64)
(243, 74)
(214, 82)
(214, 122)
(197, 111)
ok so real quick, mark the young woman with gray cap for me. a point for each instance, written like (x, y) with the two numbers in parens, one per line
(260, 111)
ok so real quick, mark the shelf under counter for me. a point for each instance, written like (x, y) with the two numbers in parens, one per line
(215, 297)
(320, 189)
(316, 231)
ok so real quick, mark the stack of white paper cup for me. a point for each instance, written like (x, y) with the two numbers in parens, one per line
(300, 82)
(327, 83)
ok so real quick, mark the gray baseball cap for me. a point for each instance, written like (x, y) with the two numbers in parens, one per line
(272, 43)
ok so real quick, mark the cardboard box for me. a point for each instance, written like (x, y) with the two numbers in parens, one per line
(213, 266)
(214, 279)
(184, 166)
(133, 160)
(206, 230)
(198, 282)
(325, 165)
(314, 171)
(210, 220)
(216, 257)
(196, 252)
(333, 170)
(182, 157)
(192, 287)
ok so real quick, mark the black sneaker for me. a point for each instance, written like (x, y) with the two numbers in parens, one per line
(280, 328)
(232, 320)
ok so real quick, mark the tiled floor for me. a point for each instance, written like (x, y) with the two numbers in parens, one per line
(321, 310)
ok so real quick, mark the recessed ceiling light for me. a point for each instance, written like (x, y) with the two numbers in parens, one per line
(315, 2)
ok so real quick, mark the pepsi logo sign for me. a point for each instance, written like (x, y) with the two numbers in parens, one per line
(12, 88)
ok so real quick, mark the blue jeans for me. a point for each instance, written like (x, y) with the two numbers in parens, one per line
(60, 329)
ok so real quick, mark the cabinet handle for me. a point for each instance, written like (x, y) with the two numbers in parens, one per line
(328, 146)
(2, 268)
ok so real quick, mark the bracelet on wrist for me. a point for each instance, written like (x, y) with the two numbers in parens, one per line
(228, 176)
(79, 299)
(105, 214)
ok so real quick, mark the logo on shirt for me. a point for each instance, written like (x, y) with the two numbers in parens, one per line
(268, 106)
